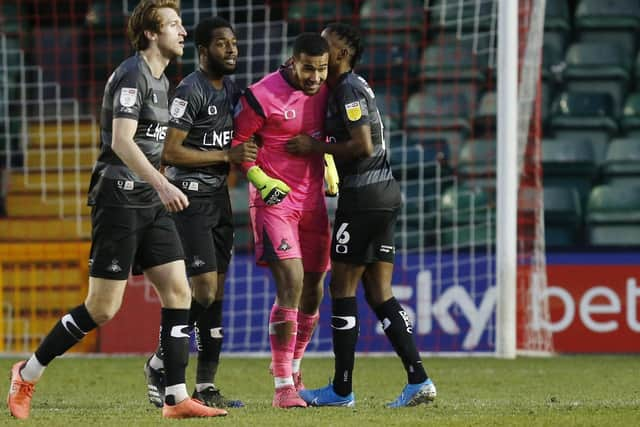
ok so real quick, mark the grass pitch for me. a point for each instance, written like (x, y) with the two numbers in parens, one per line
(557, 391)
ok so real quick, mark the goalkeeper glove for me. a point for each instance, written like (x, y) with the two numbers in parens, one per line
(272, 190)
(330, 176)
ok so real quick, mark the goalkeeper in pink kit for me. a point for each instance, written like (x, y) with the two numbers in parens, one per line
(286, 201)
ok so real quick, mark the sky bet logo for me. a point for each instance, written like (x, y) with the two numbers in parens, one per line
(454, 297)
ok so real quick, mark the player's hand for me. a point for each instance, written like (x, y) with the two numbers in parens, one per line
(245, 152)
(272, 190)
(172, 198)
(331, 176)
(301, 145)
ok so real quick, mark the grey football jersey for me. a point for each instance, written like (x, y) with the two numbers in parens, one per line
(365, 183)
(206, 113)
(131, 92)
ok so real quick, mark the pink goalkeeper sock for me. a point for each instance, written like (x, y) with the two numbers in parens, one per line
(306, 325)
(283, 326)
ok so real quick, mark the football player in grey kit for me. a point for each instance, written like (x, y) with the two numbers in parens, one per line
(362, 247)
(131, 223)
(198, 154)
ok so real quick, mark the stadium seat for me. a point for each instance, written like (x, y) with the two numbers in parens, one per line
(393, 19)
(10, 20)
(451, 16)
(477, 163)
(411, 162)
(613, 216)
(389, 102)
(388, 61)
(569, 162)
(485, 119)
(557, 22)
(584, 115)
(313, 15)
(452, 64)
(467, 217)
(598, 67)
(616, 21)
(622, 162)
(552, 60)
(442, 111)
(630, 121)
(563, 217)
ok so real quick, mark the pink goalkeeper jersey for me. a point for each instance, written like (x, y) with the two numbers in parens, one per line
(276, 111)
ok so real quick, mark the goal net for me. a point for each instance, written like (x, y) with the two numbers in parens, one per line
(433, 67)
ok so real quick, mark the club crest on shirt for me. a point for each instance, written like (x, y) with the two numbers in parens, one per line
(128, 96)
(354, 112)
(178, 107)
(284, 245)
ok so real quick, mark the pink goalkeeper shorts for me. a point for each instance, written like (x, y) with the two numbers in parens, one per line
(284, 233)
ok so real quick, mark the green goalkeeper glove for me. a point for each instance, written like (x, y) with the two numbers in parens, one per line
(330, 176)
(272, 190)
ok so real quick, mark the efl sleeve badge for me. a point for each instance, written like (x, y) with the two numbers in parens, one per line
(354, 112)
(178, 107)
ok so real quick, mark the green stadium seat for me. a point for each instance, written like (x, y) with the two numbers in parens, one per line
(622, 162)
(584, 115)
(570, 162)
(563, 217)
(441, 113)
(314, 15)
(393, 19)
(552, 60)
(477, 164)
(636, 75)
(411, 162)
(485, 119)
(557, 21)
(616, 21)
(11, 21)
(427, 110)
(449, 15)
(386, 60)
(630, 121)
(389, 102)
(467, 217)
(598, 67)
(613, 216)
(452, 63)
(436, 147)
